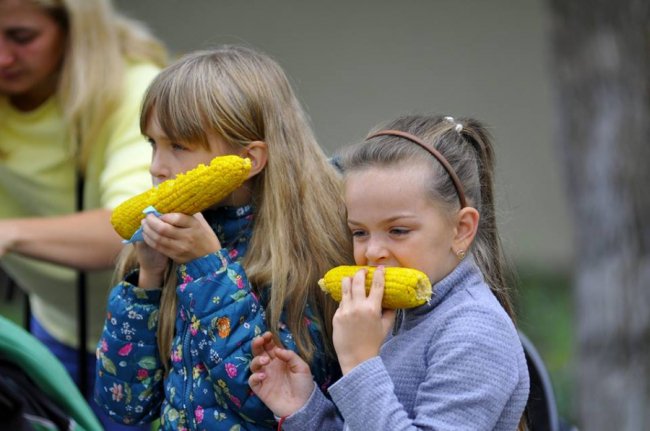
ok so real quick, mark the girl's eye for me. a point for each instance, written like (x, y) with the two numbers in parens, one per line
(356, 233)
(178, 147)
(399, 231)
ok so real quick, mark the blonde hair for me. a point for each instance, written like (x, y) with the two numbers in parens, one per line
(299, 217)
(100, 42)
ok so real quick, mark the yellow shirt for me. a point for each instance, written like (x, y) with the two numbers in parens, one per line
(37, 178)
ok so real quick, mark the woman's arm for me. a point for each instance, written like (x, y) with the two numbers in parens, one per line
(84, 240)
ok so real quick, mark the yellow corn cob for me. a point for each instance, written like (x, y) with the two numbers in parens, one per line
(403, 288)
(187, 193)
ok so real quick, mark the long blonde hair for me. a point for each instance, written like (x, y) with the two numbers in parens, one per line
(100, 42)
(299, 217)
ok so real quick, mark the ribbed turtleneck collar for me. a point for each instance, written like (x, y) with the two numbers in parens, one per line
(466, 273)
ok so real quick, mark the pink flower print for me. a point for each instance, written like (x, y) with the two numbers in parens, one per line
(194, 328)
(125, 350)
(240, 282)
(197, 370)
(198, 414)
(233, 253)
(116, 390)
(142, 374)
(185, 279)
(235, 400)
(177, 356)
(231, 370)
(104, 346)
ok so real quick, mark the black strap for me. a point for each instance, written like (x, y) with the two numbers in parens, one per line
(82, 318)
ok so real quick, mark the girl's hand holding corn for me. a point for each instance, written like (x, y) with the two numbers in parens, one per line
(360, 325)
(180, 237)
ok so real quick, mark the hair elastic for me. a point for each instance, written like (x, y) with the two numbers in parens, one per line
(435, 153)
(458, 126)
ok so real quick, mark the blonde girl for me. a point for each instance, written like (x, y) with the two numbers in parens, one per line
(177, 340)
(418, 194)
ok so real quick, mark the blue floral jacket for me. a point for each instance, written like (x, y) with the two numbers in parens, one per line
(218, 316)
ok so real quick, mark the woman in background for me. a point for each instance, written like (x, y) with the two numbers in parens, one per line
(72, 75)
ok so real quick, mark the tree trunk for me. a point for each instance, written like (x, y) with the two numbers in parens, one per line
(601, 68)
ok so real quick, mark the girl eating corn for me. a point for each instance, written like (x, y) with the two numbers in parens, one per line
(195, 292)
(419, 195)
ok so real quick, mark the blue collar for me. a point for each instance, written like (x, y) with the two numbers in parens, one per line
(233, 225)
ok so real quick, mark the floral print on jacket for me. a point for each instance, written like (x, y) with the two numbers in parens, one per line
(218, 315)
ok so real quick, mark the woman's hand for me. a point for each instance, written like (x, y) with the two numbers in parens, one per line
(180, 237)
(281, 379)
(359, 324)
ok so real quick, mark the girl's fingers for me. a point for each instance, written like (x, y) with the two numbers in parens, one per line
(346, 288)
(178, 219)
(358, 289)
(202, 221)
(259, 362)
(295, 362)
(377, 286)
(258, 346)
(256, 379)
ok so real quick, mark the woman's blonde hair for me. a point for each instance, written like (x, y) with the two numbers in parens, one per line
(100, 42)
(299, 216)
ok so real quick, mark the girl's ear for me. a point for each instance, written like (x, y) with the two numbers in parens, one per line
(257, 152)
(465, 230)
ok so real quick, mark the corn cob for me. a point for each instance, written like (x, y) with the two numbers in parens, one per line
(187, 193)
(403, 287)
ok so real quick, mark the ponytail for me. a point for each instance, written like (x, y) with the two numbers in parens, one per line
(487, 248)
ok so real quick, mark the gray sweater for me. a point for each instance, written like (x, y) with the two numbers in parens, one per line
(454, 364)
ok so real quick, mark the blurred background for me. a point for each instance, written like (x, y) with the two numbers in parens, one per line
(357, 63)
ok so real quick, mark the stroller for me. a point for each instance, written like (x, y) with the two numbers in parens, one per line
(36, 392)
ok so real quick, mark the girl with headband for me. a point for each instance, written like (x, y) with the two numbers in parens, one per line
(419, 194)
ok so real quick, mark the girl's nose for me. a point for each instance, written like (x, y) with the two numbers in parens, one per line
(376, 251)
(158, 169)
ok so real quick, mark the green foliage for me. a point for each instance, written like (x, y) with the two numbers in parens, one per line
(544, 305)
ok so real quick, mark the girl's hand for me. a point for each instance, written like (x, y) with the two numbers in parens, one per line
(152, 266)
(281, 379)
(180, 237)
(359, 325)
